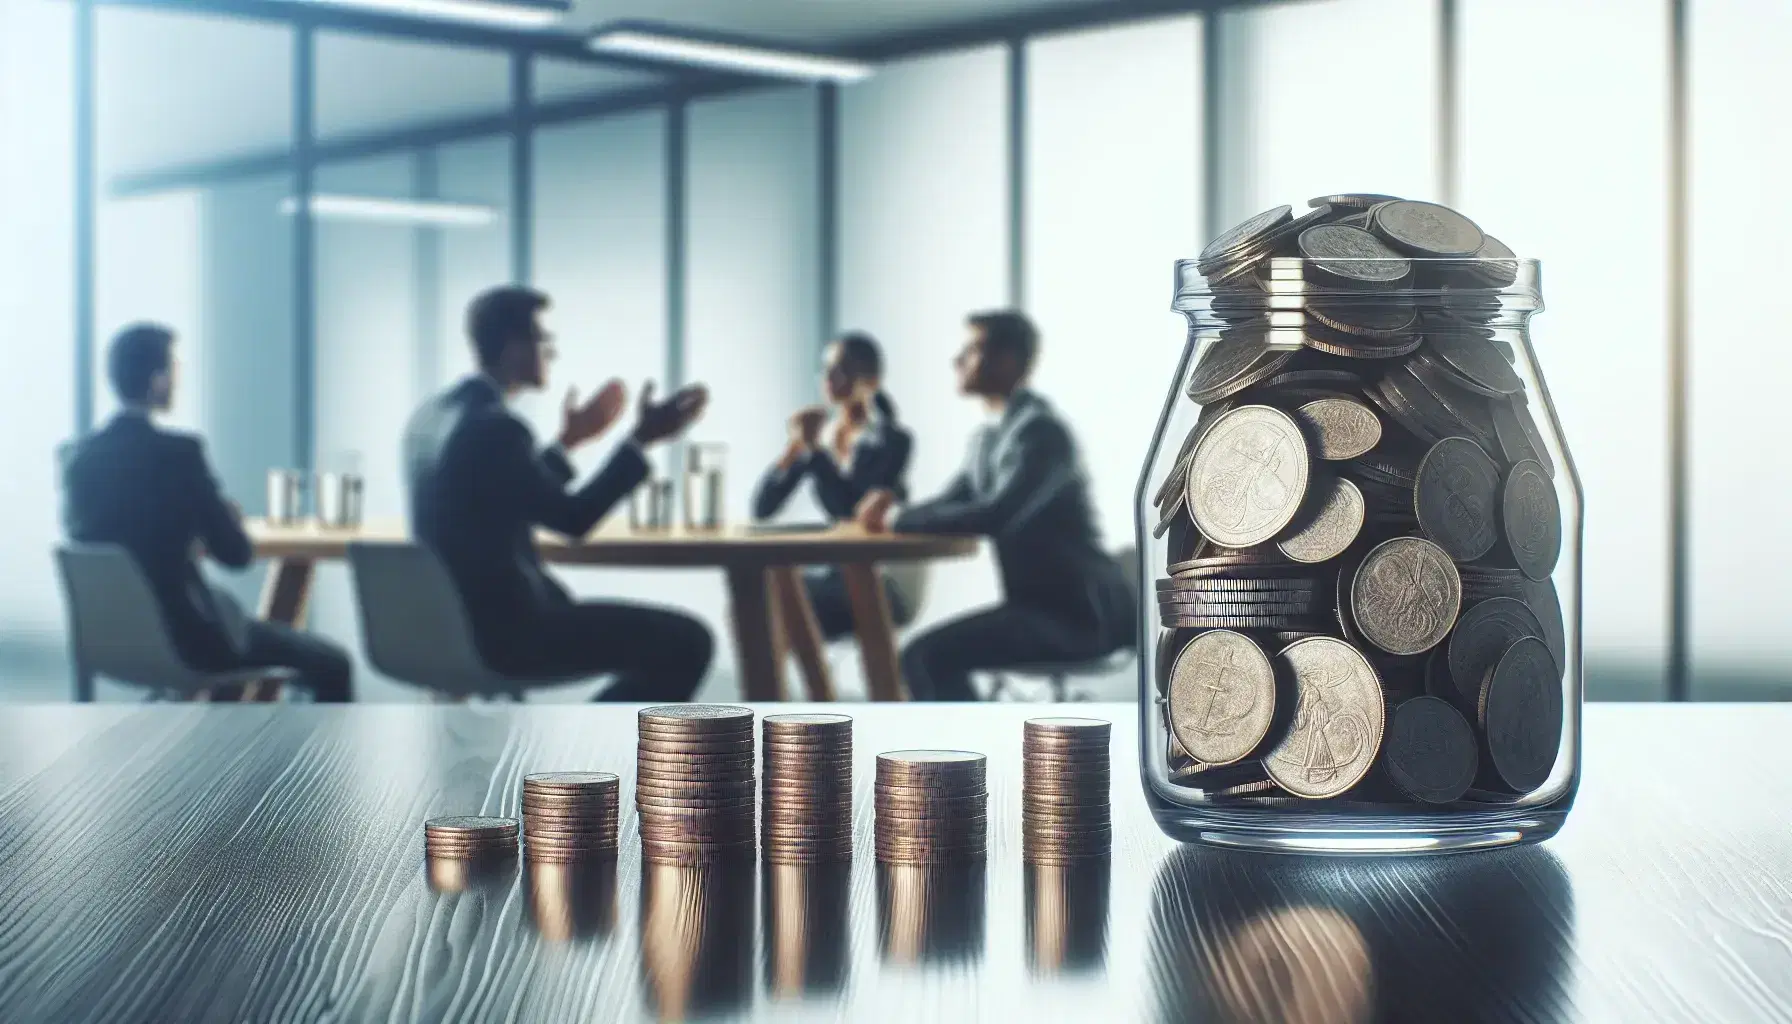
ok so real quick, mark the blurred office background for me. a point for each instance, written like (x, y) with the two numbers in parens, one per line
(1056, 155)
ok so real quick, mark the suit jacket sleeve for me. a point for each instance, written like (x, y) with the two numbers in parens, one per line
(1030, 467)
(874, 465)
(538, 480)
(216, 522)
(777, 485)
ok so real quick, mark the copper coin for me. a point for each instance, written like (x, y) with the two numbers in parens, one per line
(578, 782)
(695, 717)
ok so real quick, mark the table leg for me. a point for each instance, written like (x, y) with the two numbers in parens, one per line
(761, 671)
(286, 599)
(802, 631)
(877, 634)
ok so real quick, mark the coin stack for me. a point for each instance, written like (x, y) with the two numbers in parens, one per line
(469, 837)
(807, 788)
(570, 816)
(1361, 517)
(932, 807)
(694, 783)
(1065, 810)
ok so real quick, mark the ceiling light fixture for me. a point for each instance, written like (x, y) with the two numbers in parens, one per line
(654, 43)
(522, 14)
(377, 209)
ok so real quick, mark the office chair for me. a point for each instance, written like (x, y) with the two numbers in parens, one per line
(1059, 674)
(416, 629)
(116, 630)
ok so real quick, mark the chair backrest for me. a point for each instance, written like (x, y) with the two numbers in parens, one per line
(413, 623)
(909, 579)
(116, 628)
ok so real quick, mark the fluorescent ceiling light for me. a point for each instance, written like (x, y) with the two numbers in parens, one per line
(394, 211)
(654, 44)
(507, 13)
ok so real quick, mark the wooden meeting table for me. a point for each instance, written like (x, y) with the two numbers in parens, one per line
(771, 611)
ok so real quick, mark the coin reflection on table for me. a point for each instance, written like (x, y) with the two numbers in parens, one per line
(807, 941)
(1236, 937)
(459, 874)
(573, 900)
(930, 912)
(1300, 965)
(697, 938)
(1067, 916)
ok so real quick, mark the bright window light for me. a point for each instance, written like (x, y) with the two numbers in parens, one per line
(524, 14)
(394, 211)
(653, 45)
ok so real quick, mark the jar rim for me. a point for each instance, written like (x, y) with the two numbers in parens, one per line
(1491, 291)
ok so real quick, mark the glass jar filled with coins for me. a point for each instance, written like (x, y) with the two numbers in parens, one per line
(1359, 526)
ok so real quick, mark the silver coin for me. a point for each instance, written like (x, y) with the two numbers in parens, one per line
(1338, 722)
(1426, 229)
(1405, 595)
(1249, 476)
(1331, 530)
(1342, 428)
(1222, 697)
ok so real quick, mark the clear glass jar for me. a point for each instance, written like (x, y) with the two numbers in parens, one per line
(1359, 528)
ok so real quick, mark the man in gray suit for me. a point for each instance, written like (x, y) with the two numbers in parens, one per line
(1023, 486)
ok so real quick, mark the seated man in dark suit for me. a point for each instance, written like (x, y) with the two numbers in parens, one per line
(479, 487)
(152, 493)
(1023, 486)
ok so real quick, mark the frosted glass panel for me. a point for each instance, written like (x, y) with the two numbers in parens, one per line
(1581, 186)
(472, 259)
(923, 242)
(148, 269)
(37, 305)
(1113, 195)
(1741, 477)
(753, 244)
(1328, 97)
(366, 310)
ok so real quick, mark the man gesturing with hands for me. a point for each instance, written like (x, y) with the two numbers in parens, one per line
(479, 487)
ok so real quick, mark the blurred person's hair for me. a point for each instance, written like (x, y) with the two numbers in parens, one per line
(862, 357)
(136, 355)
(1009, 331)
(499, 316)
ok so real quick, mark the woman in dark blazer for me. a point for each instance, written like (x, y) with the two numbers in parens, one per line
(845, 449)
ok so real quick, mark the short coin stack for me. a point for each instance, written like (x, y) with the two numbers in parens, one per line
(570, 816)
(932, 807)
(807, 785)
(1066, 811)
(694, 783)
(469, 837)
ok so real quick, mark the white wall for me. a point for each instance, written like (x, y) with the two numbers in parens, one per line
(924, 241)
(1581, 186)
(1742, 214)
(1113, 199)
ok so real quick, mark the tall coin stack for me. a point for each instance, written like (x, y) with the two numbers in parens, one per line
(807, 788)
(570, 816)
(932, 807)
(694, 783)
(1065, 808)
(1362, 516)
(469, 837)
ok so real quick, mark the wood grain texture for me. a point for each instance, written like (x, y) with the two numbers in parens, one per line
(259, 863)
(616, 544)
